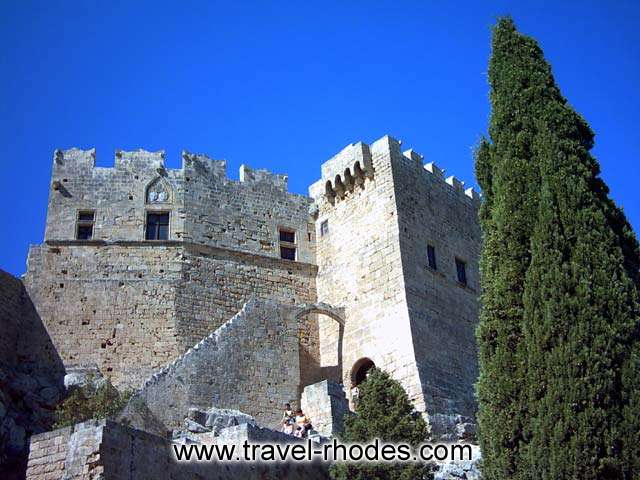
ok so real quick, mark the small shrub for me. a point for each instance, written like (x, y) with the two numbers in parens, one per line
(89, 401)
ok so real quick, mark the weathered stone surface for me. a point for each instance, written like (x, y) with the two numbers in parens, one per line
(452, 428)
(137, 414)
(326, 405)
(249, 363)
(413, 321)
(220, 418)
(461, 470)
(31, 376)
(105, 449)
(197, 415)
(194, 427)
(134, 307)
(81, 375)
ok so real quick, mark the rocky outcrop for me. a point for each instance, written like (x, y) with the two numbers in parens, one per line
(461, 470)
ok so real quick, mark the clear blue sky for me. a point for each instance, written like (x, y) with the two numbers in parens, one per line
(284, 86)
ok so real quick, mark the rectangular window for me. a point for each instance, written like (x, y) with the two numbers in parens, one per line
(84, 230)
(324, 228)
(287, 236)
(287, 253)
(287, 244)
(431, 255)
(157, 226)
(461, 269)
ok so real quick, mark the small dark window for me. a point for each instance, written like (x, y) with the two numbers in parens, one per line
(287, 236)
(288, 253)
(84, 230)
(157, 226)
(431, 255)
(461, 269)
(324, 228)
(86, 216)
(288, 244)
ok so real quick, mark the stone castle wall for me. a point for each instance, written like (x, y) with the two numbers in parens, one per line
(131, 308)
(110, 451)
(31, 376)
(414, 322)
(251, 363)
(216, 283)
(111, 305)
(359, 264)
(131, 305)
(205, 206)
(444, 312)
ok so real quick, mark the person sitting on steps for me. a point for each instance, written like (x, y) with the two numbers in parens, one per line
(288, 420)
(303, 424)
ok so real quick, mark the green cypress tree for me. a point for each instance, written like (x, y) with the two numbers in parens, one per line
(578, 326)
(509, 180)
(384, 412)
(581, 319)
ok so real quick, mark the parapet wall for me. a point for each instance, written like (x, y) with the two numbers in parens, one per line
(348, 168)
(205, 206)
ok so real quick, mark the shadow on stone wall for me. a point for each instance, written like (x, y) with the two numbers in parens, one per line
(31, 376)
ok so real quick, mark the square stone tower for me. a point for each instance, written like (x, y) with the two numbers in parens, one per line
(397, 248)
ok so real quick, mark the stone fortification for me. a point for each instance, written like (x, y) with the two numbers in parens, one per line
(204, 205)
(251, 363)
(131, 305)
(443, 310)
(31, 376)
(379, 211)
(110, 451)
(141, 262)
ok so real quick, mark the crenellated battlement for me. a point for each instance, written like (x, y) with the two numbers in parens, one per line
(74, 158)
(249, 175)
(353, 164)
(139, 161)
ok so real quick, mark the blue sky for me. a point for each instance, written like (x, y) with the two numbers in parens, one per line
(284, 86)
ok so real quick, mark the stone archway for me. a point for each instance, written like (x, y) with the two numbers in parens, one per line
(321, 332)
(360, 370)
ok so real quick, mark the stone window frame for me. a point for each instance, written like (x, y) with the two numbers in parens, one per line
(146, 222)
(289, 245)
(160, 180)
(324, 227)
(85, 223)
(460, 261)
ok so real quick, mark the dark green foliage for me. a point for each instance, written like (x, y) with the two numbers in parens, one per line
(102, 401)
(559, 333)
(384, 412)
(509, 179)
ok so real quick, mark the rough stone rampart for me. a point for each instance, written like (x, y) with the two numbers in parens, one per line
(131, 307)
(251, 363)
(31, 376)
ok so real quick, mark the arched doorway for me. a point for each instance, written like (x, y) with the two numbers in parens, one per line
(321, 330)
(360, 370)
